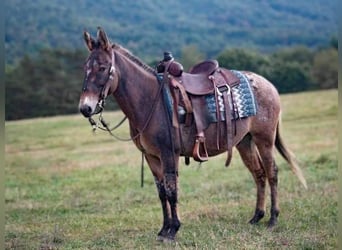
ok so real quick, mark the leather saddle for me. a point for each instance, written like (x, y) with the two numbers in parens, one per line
(203, 78)
(199, 80)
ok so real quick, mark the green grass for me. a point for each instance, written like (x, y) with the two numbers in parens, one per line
(69, 189)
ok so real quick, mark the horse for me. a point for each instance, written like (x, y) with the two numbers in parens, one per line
(112, 70)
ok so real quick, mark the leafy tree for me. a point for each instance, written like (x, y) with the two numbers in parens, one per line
(289, 76)
(300, 54)
(289, 69)
(325, 68)
(242, 59)
(49, 84)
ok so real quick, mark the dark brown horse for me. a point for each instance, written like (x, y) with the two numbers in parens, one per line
(112, 70)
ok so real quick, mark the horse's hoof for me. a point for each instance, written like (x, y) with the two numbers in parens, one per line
(271, 224)
(253, 221)
(259, 214)
(165, 239)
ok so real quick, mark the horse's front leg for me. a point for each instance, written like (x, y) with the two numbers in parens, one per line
(163, 233)
(167, 190)
(171, 188)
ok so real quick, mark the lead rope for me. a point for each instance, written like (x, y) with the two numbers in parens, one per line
(105, 125)
(142, 170)
(106, 128)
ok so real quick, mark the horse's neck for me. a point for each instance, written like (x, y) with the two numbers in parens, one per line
(136, 92)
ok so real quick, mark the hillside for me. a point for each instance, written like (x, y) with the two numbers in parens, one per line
(149, 27)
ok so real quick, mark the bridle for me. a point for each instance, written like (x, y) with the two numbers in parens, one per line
(106, 86)
(101, 103)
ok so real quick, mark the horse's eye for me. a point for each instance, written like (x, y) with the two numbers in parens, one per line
(102, 68)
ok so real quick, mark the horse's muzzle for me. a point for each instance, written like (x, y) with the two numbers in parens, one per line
(86, 110)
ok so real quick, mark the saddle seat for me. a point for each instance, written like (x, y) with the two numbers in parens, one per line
(204, 77)
(204, 68)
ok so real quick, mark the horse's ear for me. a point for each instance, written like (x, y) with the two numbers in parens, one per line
(89, 41)
(103, 39)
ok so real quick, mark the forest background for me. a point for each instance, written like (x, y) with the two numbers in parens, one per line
(293, 44)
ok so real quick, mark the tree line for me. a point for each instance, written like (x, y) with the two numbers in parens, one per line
(50, 83)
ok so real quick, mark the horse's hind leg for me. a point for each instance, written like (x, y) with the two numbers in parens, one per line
(249, 156)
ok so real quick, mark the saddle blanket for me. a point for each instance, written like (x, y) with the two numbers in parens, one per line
(243, 98)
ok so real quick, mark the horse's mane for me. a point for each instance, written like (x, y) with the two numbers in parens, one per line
(133, 58)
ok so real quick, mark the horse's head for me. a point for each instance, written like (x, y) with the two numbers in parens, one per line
(100, 78)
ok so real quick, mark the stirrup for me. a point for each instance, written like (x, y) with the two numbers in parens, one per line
(199, 152)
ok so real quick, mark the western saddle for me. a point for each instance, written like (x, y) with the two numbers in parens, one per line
(189, 90)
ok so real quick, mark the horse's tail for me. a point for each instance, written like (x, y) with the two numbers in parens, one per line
(288, 156)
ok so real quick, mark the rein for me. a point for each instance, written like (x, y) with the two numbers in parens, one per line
(105, 127)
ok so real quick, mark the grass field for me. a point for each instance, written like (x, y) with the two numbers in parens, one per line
(69, 189)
